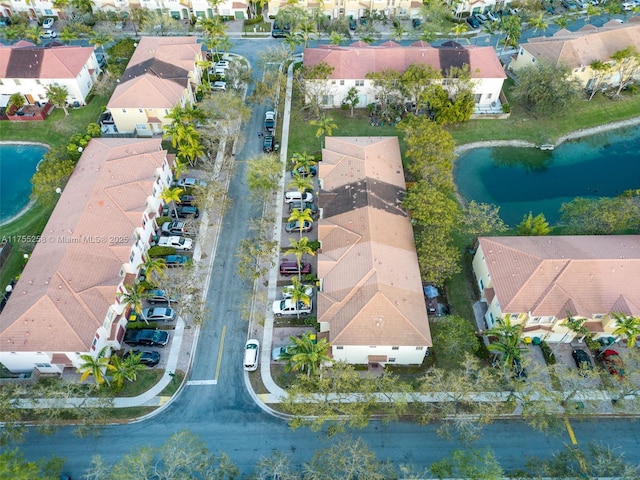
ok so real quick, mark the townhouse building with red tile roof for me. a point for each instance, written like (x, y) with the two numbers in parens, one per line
(371, 305)
(579, 49)
(163, 73)
(66, 303)
(539, 281)
(28, 69)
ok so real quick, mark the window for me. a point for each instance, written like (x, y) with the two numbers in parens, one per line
(38, 82)
(395, 348)
(533, 60)
(420, 348)
(372, 346)
(327, 99)
(141, 126)
(333, 82)
(359, 83)
(515, 316)
(132, 256)
(339, 347)
(17, 81)
(598, 316)
(48, 11)
(43, 365)
(489, 96)
(391, 360)
(341, 82)
(124, 110)
(140, 110)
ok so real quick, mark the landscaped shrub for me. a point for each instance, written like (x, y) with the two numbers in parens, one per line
(158, 251)
(162, 220)
(141, 324)
(549, 357)
(255, 20)
(592, 344)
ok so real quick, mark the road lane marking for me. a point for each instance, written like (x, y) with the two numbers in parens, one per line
(572, 435)
(224, 330)
(202, 382)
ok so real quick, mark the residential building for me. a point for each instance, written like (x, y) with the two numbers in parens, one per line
(178, 9)
(355, 8)
(163, 73)
(579, 49)
(371, 304)
(539, 282)
(66, 303)
(460, 8)
(29, 69)
(351, 64)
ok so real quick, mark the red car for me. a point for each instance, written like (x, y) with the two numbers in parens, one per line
(613, 362)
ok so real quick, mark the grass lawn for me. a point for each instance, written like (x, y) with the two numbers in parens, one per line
(522, 126)
(54, 131)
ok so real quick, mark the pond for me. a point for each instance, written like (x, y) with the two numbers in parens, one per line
(18, 163)
(523, 180)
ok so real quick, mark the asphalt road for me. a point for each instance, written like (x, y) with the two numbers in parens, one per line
(224, 415)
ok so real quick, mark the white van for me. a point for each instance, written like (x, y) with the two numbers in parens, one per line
(251, 351)
(297, 196)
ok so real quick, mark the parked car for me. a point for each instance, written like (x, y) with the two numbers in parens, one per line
(493, 17)
(267, 144)
(297, 196)
(613, 363)
(187, 200)
(5, 21)
(190, 182)
(218, 72)
(174, 228)
(288, 307)
(159, 296)
(48, 34)
(295, 226)
(159, 314)
(222, 64)
(480, 18)
(179, 243)
(147, 337)
(176, 260)
(219, 85)
(310, 171)
(278, 352)
(352, 24)
(286, 291)
(184, 211)
(291, 268)
(280, 31)
(269, 121)
(583, 361)
(47, 23)
(251, 351)
(473, 23)
(298, 205)
(147, 357)
(416, 22)
(569, 4)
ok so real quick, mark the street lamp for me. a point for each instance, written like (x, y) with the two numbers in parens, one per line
(58, 190)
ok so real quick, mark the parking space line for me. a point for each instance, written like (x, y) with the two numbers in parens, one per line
(224, 331)
(572, 435)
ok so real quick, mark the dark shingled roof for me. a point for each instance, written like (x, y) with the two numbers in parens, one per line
(365, 193)
(158, 68)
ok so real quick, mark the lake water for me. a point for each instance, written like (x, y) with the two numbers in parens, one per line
(17, 165)
(523, 180)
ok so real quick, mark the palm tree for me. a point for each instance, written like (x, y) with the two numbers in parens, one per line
(179, 167)
(538, 23)
(458, 29)
(57, 95)
(301, 216)
(336, 38)
(299, 248)
(303, 161)
(300, 183)
(309, 354)
(191, 152)
(305, 30)
(509, 337)
(171, 195)
(397, 30)
(100, 39)
(325, 127)
(298, 292)
(16, 101)
(133, 297)
(126, 369)
(629, 326)
(95, 366)
(154, 268)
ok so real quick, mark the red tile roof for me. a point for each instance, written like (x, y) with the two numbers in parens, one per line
(587, 275)
(358, 59)
(371, 286)
(70, 281)
(25, 60)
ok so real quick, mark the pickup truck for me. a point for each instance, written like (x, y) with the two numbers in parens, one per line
(269, 121)
(179, 243)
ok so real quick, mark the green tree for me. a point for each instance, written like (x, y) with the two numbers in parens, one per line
(171, 195)
(627, 326)
(336, 38)
(547, 89)
(154, 268)
(310, 354)
(626, 66)
(438, 257)
(57, 95)
(133, 296)
(303, 161)
(602, 216)
(453, 338)
(52, 174)
(301, 247)
(298, 292)
(301, 216)
(458, 29)
(138, 17)
(508, 344)
(386, 86)
(13, 466)
(100, 39)
(533, 226)
(416, 81)
(95, 366)
(476, 463)
(263, 177)
(397, 30)
(430, 207)
(300, 183)
(16, 102)
(352, 99)
(191, 152)
(126, 369)
(482, 219)
(67, 34)
(600, 70)
(314, 86)
(538, 22)
(512, 30)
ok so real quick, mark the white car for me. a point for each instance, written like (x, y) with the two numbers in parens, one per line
(222, 64)
(218, 85)
(251, 351)
(286, 291)
(190, 182)
(47, 23)
(297, 196)
(159, 314)
(179, 243)
(48, 34)
(288, 307)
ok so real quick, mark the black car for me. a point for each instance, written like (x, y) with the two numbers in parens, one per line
(473, 23)
(416, 22)
(583, 361)
(267, 144)
(352, 23)
(299, 205)
(146, 337)
(148, 358)
(187, 200)
(183, 211)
